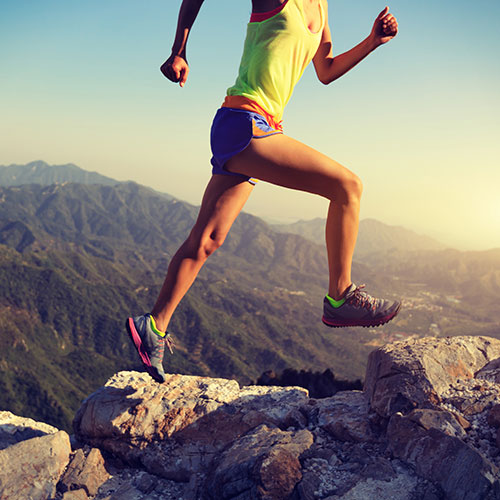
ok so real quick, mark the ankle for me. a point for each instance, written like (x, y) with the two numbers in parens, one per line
(159, 323)
(338, 292)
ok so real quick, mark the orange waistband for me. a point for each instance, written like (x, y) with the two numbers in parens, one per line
(241, 102)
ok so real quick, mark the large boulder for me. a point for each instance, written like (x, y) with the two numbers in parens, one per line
(345, 416)
(32, 468)
(177, 428)
(86, 471)
(437, 395)
(413, 374)
(441, 457)
(425, 426)
(14, 429)
(262, 464)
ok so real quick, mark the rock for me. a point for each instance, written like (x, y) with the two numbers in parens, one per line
(405, 375)
(127, 492)
(490, 372)
(379, 468)
(460, 470)
(176, 428)
(316, 451)
(494, 416)
(320, 480)
(14, 429)
(146, 483)
(472, 406)
(309, 485)
(263, 464)
(136, 483)
(402, 487)
(85, 471)
(437, 419)
(296, 419)
(205, 438)
(75, 495)
(333, 460)
(462, 421)
(31, 468)
(345, 416)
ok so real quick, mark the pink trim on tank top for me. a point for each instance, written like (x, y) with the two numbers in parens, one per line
(257, 17)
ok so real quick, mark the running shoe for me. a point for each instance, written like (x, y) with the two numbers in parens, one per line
(149, 344)
(357, 308)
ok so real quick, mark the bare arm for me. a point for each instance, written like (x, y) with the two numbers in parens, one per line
(329, 68)
(176, 68)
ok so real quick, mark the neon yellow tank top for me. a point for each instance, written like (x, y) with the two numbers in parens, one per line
(275, 55)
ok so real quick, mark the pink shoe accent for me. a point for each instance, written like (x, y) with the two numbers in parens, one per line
(136, 339)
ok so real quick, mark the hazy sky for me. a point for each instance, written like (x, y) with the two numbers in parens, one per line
(418, 121)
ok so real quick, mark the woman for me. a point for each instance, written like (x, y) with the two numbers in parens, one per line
(248, 143)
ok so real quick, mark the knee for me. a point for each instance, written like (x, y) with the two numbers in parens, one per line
(211, 243)
(356, 187)
(205, 245)
(348, 190)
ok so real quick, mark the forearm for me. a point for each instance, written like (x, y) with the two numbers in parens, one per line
(335, 67)
(187, 15)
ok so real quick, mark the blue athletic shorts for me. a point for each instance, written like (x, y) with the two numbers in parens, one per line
(232, 130)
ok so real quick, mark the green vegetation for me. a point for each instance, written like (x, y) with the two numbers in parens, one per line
(76, 260)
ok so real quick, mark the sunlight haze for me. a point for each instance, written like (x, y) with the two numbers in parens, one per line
(418, 120)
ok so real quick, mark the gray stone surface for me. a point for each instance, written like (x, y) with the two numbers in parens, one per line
(75, 495)
(406, 375)
(490, 371)
(176, 428)
(426, 427)
(345, 416)
(460, 470)
(401, 487)
(31, 469)
(437, 419)
(494, 416)
(263, 464)
(14, 429)
(86, 470)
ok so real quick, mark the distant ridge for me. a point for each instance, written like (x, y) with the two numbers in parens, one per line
(76, 259)
(39, 172)
(374, 236)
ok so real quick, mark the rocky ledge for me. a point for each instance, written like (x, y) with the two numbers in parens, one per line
(426, 426)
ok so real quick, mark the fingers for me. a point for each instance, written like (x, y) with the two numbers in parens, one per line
(176, 70)
(173, 73)
(383, 13)
(183, 76)
(168, 72)
(389, 25)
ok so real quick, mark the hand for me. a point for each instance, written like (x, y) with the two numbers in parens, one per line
(176, 69)
(385, 27)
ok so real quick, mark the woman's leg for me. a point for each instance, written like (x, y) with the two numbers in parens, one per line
(284, 161)
(223, 200)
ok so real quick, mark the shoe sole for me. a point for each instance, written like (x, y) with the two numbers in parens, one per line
(137, 341)
(365, 324)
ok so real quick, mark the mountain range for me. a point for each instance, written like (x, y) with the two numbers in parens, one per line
(40, 172)
(76, 258)
(374, 236)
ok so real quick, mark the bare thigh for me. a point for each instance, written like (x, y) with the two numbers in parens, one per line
(284, 161)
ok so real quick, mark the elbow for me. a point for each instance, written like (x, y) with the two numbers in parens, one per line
(325, 79)
(326, 73)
